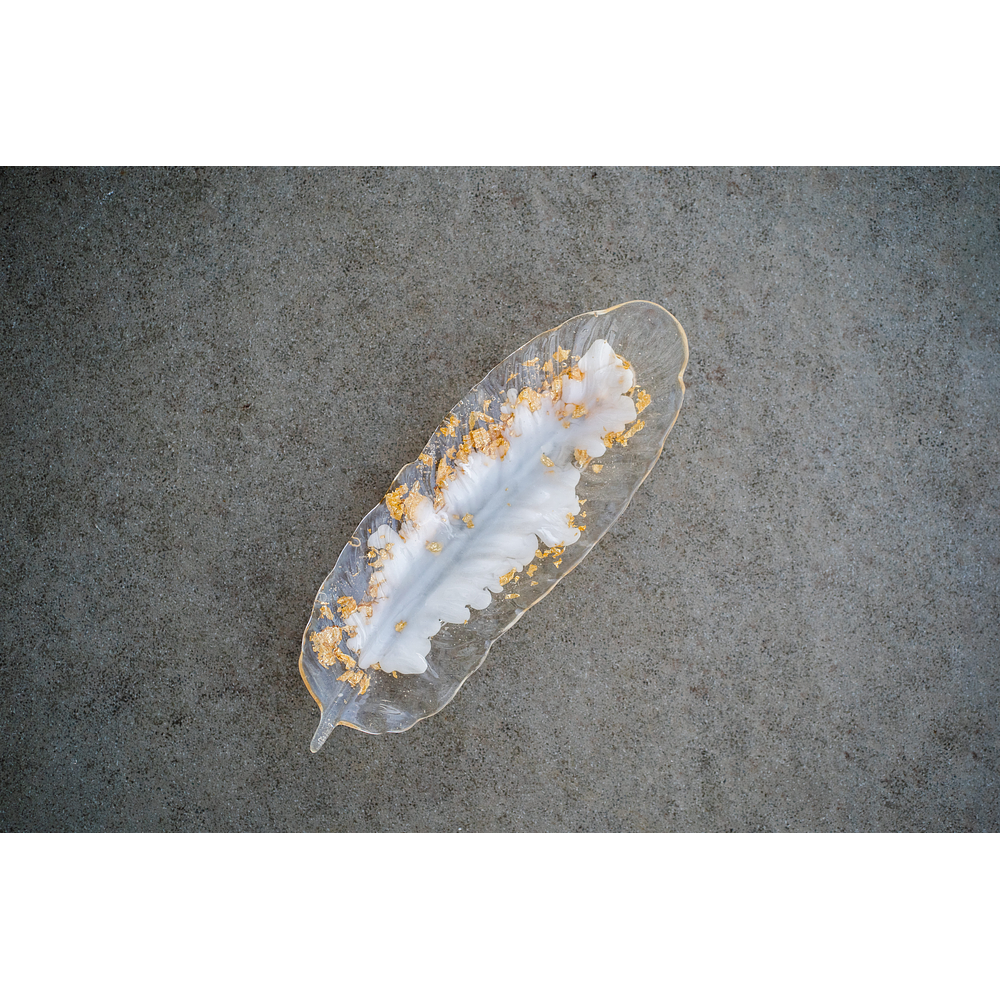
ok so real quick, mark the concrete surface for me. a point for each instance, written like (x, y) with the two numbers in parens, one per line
(209, 377)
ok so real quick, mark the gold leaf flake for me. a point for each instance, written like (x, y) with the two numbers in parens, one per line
(642, 400)
(581, 457)
(530, 398)
(510, 597)
(556, 550)
(400, 626)
(531, 569)
(325, 612)
(482, 440)
(394, 501)
(500, 444)
(325, 645)
(356, 678)
(561, 354)
(634, 429)
(596, 468)
(425, 458)
(468, 521)
(506, 578)
(444, 473)
(411, 503)
(434, 547)
(547, 462)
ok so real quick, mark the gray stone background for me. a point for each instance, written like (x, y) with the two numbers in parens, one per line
(210, 376)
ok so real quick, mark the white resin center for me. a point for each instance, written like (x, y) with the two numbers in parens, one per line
(513, 503)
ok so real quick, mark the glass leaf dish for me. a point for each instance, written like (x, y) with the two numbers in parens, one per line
(516, 486)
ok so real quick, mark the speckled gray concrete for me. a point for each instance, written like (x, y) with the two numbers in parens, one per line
(210, 376)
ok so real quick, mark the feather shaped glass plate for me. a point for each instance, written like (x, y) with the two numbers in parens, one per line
(518, 484)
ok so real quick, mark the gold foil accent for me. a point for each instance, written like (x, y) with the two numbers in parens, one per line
(530, 397)
(356, 678)
(394, 501)
(326, 645)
